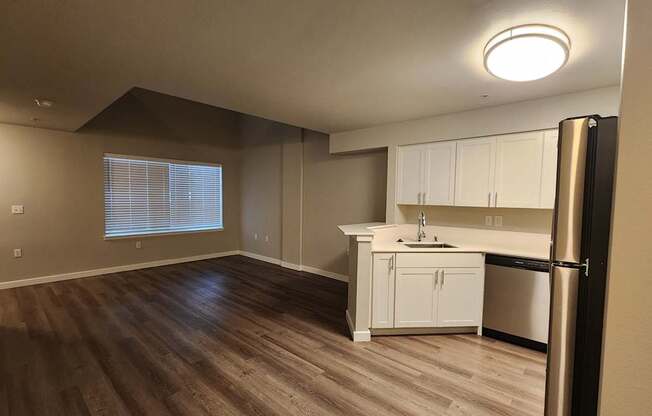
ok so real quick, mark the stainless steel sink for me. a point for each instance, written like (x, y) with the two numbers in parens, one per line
(429, 245)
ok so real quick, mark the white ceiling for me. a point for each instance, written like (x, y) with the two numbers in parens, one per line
(329, 65)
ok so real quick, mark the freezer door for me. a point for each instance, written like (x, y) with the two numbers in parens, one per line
(561, 340)
(567, 224)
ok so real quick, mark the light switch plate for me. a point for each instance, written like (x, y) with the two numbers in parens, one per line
(18, 253)
(139, 244)
(17, 209)
(488, 220)
(498, 221)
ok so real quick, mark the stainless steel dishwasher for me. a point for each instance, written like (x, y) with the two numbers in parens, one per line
(517, 300)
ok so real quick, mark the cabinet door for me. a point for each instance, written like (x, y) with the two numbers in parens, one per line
(416, 298)
(460, 297)
(439, 186)
(549, 171)
(519, 159)
(410, 174)
(382, 288)
(475, 171)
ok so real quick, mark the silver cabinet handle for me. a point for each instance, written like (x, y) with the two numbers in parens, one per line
(489, 199)
(418, 198)
(496, 200)
(390, 264)
(436, 278)
(443, 274)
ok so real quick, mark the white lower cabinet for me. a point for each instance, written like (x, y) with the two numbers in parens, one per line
(382, 306)
(416, 298)
(427, 290)
(460, 297)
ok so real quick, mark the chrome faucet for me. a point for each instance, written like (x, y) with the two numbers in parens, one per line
(421, 222)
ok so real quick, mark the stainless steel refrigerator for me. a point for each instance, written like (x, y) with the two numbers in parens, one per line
(580, 245)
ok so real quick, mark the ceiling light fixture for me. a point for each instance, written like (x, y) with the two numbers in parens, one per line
(526, 53)
(43, 103)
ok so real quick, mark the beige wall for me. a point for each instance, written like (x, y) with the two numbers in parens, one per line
(297, 192)
(271, 183)
(338, 189)
(627, 359)
(58, 177)
(541, 114)
(514, 219)
(292, 195)
(261, 182)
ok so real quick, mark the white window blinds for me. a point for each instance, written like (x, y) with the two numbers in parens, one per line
(153, 196)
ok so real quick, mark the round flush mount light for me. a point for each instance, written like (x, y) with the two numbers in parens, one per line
(44, 103)
(526, 53)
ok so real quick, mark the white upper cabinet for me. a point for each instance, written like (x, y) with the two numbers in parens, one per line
(509, 171)
(519, 161)
(549, 170)
(439, 175)
(410, 174)
(475, 172)
(426, 174)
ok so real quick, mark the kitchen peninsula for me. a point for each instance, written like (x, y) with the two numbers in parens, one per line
(398, 285)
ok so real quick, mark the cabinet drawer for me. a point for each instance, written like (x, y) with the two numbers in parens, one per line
(439, 260)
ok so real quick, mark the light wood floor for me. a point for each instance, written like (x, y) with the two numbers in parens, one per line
(236, 336)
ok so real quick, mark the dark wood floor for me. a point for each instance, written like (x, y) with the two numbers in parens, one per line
(236, 336)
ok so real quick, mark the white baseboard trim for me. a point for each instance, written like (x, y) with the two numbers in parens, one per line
(108, 270)
(292, 266)
(325, 273)
(297, 267)
(137, 266)
(358, 336)
(260, 257)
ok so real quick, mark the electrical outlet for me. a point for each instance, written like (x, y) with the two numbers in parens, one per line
(498, 221)
(17, 209)
(267, 238)
(18, 253)
(488, 220)
(255, 236)
(139, 244)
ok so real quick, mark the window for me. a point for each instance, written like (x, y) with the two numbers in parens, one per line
(156, 196)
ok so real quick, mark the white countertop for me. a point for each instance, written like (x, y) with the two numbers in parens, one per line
(388, 247)
(359, 229)
(469, 240)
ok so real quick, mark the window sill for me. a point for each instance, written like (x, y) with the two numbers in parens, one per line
(161, 234)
